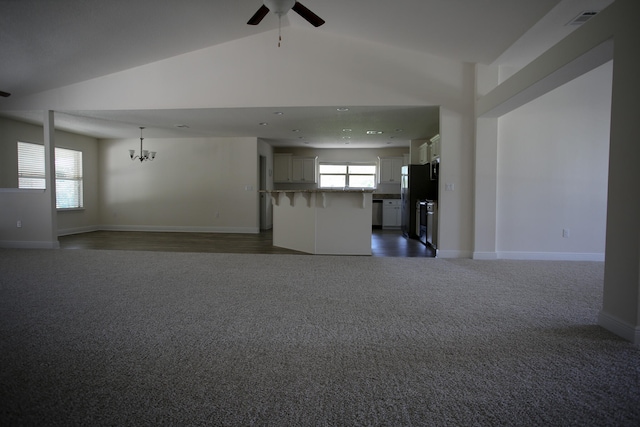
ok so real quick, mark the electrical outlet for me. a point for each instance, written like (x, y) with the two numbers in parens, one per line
(565, 232)
(19, 224)
(217, 214)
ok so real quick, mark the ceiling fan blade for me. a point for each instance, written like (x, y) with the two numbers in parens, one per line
(257, 17)
(5, 94)
(313, 19)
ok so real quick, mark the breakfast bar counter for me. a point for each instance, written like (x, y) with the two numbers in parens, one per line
(327, 222)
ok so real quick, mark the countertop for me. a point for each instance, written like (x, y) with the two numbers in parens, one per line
(381, 196)
(326, 190)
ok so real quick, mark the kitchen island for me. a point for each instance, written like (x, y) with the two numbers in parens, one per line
(327, 222)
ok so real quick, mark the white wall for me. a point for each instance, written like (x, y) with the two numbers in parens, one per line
(194, 184)
(456, 185)
(552, 172)
(11, 132)
(32, 207)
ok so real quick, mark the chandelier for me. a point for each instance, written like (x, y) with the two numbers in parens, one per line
(144, 154)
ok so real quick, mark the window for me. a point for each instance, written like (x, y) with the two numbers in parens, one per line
(31, 166)
(68, 179)
(346, 175)
(68, 173)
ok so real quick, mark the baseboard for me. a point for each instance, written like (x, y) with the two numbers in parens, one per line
(453, 254)
(551, 256)
(77, 230)
(485, 255)
(180, 229)
(620, 327)
(20, 244)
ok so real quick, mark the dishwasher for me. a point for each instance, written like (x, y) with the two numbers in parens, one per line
(376, 213)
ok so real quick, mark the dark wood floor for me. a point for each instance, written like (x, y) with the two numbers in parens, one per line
(384, 243)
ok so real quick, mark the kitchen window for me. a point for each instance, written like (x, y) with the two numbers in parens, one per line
(69, 180)
(347, 175)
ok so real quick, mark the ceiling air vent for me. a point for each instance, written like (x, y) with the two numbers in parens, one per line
(583, 17)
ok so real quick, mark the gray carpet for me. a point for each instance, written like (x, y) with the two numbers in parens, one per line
(149, 338)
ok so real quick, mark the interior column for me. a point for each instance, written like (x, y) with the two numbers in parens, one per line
(50, 175)
(621, 298)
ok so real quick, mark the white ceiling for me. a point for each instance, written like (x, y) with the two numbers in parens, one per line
(320, 127)
(49, 44)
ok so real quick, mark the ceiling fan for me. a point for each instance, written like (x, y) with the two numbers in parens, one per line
(281, 7)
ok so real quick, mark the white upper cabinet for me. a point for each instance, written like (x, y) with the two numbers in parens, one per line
(290, 169)
(423, 154)
(390, 170)
(435, 148)
(303, 170)
(282, 167)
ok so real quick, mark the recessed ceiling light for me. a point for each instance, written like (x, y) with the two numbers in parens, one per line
(264, 124)
(346, 130)
(278, 113)
(342, 109)
(374, 132)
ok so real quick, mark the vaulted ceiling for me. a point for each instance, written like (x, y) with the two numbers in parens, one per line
(51, 44)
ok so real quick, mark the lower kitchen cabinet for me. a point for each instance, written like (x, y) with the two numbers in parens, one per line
(391, 213)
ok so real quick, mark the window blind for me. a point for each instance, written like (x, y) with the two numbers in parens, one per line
(31, 166)
(68, 171)
(68, 178)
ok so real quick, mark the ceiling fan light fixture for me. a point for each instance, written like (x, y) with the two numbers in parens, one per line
(279, 7)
